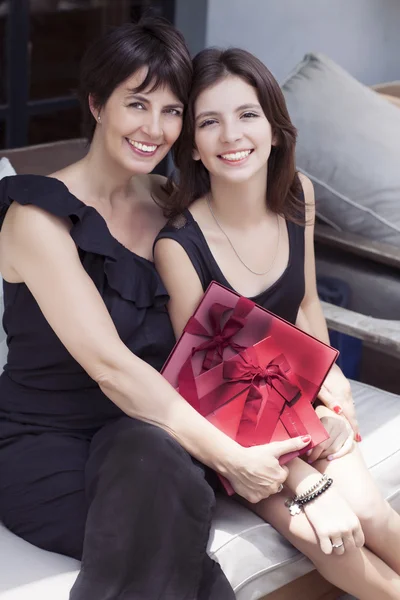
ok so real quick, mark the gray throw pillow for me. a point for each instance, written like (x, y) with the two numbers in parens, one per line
(349, 146)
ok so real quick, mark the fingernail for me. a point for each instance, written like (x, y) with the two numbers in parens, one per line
(308, 452)
(337, 410)
(358, 438)
(306, 438)
(330, 457)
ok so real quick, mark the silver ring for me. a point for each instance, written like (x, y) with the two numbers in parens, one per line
(338, 545)
(280, 488)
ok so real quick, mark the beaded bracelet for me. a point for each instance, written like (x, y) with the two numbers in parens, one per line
(319, 483)
(315, 494)
(295, 505)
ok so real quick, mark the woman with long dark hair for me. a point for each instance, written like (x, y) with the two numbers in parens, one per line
(243, 216)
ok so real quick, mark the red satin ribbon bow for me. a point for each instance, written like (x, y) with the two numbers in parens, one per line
(220, 336)
(219, 339)
(270, 389)
(275, 375)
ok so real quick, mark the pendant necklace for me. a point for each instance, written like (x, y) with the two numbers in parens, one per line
(233, 247)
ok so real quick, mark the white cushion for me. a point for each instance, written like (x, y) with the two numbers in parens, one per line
(6, 168)
(26, 572)
(256, 559)
(349, 146)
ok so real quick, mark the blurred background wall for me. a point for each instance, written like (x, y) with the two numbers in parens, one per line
(363, 36)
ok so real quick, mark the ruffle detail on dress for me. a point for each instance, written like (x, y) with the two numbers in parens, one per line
(133, 277)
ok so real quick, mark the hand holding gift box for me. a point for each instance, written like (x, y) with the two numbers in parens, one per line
(250, 373)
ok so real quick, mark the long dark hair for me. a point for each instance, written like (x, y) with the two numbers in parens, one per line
(283, 184)
(152, 43)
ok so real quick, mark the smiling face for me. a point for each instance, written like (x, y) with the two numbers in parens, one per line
(233, 137)
(138, 129)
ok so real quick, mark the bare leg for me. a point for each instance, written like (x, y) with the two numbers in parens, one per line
(359, 572)
(379, 522)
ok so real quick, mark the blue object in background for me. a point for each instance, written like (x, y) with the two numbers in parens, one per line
(337, 292)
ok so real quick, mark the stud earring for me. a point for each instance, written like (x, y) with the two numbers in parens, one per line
(99, 119)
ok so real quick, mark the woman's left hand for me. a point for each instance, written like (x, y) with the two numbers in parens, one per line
(336, 394)
(341, 436)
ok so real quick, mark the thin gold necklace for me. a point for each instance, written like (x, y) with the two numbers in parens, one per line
(233, 247)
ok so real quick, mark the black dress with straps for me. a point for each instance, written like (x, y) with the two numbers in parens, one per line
(76, 475)
(41, 379)
(282, 298)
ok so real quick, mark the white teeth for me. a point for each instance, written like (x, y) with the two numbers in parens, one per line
(236, 155)
(142, 147)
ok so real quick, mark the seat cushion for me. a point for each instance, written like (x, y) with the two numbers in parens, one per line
(256, 559)
(348, 145)
(6, 168)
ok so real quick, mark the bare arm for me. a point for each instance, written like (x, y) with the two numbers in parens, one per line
(311, 317)
(181, 280)
(330, 516)
(336, 391)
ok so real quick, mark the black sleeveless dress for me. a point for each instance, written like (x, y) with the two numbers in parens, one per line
(283, 297)
(72, 476)
(42, 385)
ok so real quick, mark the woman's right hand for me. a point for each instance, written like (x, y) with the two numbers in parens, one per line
(256, 472)
(335, 523)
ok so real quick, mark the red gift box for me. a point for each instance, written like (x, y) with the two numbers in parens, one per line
(249, 372)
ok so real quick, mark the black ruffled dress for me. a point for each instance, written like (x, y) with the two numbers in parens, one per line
(70, 459)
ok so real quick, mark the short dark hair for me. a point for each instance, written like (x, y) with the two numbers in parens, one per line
(284, 188)
(153, 43)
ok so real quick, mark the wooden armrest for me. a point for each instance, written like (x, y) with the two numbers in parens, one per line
(43, 159)
(392, 88)
(379, 332)
(357, 244)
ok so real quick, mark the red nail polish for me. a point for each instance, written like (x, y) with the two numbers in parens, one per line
(306, 438)
(337, 410)
(358, 438)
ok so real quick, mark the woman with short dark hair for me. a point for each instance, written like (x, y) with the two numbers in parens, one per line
(94, 444)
